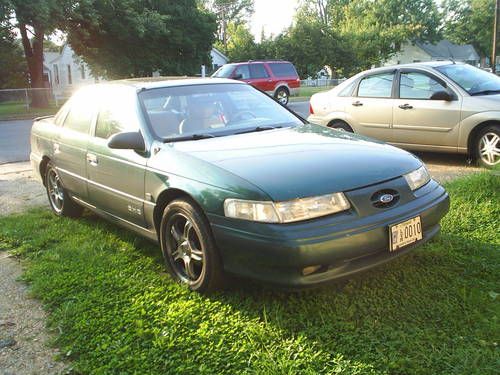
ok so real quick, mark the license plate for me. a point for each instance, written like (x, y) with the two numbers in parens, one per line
(405, 233)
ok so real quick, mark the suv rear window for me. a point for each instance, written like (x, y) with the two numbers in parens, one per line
(283, 69)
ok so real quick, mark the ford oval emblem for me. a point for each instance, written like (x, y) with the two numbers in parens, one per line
(386, 198)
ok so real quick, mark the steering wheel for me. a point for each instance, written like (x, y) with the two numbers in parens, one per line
(243, 115)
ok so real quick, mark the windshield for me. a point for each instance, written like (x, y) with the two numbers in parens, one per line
(212, 109)
(473, 80)
(224, 71)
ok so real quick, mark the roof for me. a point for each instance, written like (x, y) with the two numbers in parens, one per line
(147, 83)
(216, 51)
(260, 62)
(445, 49)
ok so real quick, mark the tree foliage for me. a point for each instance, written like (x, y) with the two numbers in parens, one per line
(13, 70)
(470, 22)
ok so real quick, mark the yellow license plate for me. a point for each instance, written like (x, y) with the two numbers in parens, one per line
(405, 233)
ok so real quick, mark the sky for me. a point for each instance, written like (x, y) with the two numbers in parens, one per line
(272, 15)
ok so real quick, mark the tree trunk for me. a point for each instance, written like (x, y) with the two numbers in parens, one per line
(34, 57)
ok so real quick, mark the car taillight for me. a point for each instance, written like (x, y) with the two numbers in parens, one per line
(311, 110)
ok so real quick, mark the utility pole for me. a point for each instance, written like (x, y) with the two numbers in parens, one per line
(495, 32)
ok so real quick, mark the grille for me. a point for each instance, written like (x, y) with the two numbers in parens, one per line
(378, 203)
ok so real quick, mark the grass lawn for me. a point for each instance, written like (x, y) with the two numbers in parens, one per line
(306, 92)
(434, 311)
(18, 111)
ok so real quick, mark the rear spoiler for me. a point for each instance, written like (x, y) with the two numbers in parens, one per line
(42, 118)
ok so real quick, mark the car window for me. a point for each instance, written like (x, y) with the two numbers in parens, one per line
(415, 85)
(81, 113)
(224, 71)
(258, 71)
(283, 70)
(117, 114)
(243, 70)
(347, 91)
(473, 80)
(376, 86)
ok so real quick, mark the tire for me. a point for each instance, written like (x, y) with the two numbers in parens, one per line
(340, 125)
(189, 249)
(282, 95)
(486, 147)
(59, 200)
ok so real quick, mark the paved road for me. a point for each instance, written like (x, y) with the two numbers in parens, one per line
(301, 108)
(15, 140)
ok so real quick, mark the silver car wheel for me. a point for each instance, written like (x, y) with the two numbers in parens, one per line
(56, 191)
(185, 249)
(282, 96)
(489, 148)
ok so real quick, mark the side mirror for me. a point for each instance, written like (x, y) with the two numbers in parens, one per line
(127, 141)
(442, 95)
(238, 76)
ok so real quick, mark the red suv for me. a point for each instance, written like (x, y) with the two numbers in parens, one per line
(277, 78)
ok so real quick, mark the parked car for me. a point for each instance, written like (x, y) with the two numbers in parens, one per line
(228, 180)
(433, 106)
(277, 78)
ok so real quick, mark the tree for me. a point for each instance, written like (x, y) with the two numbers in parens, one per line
(34, 19)
(13, 70)
(128, 38)
(229, 12)
(241, 44)
(470, 22)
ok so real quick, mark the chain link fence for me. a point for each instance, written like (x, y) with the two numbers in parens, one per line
(321, 82)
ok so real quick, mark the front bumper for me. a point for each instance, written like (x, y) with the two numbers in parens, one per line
(341, 244)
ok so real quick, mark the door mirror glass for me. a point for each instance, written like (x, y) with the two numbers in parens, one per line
(127, 141)
(442, 95)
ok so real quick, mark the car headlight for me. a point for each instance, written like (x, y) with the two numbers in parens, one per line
(288, 211)
(418, 178)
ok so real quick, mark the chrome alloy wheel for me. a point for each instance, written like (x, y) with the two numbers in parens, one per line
(282, 97)
(489, 148)
(185, 249)
(56, 191)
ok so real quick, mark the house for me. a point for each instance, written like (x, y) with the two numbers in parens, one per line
(443, 50)
(218, 59)
(64, 71)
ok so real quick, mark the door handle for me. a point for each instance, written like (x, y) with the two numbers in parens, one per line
(92, 159)
(357, 104)
(406, 106)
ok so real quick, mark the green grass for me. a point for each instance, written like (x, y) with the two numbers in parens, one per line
(18, 111)
(434, 311)
(306, 92)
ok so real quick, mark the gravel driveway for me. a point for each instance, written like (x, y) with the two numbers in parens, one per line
(22, 320)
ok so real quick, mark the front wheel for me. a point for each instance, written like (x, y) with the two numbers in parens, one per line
(59, 199)
(282, 95)
(189, 248)
(487, 146)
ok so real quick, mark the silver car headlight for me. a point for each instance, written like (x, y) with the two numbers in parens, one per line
(288, 211)
(418, 178)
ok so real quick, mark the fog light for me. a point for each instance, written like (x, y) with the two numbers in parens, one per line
(310, 270)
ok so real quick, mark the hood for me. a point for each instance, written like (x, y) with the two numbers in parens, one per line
(308, 160)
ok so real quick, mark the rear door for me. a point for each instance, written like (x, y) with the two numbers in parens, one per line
(116, 177)
(70, 147)
(260, 77)
(419, 120)
(370, 109)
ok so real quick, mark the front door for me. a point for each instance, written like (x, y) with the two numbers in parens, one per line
(419, 120)
(116, 177)
(261, 78)
(370, 110)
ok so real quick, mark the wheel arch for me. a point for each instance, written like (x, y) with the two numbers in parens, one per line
(43, 168)
(475, 131)
(280, 86)
(330, 123)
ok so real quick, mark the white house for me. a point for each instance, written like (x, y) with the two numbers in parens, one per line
(65, 71)
(443, 50)
(218, 58)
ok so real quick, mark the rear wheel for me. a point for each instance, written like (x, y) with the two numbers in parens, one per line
(340, 125)
(282, 95)
(189, 248)
(59, 199)
(487, 146)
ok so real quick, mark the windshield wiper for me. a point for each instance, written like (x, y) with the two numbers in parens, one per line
(191, 137)
(259, 129)
(485, 92)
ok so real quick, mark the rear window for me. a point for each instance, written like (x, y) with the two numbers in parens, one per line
(283, 70)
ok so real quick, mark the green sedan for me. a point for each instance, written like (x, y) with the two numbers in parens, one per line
(228, 181)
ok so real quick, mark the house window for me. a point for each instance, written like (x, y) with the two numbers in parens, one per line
(56, 74)
(70, 80)
(82, 69)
